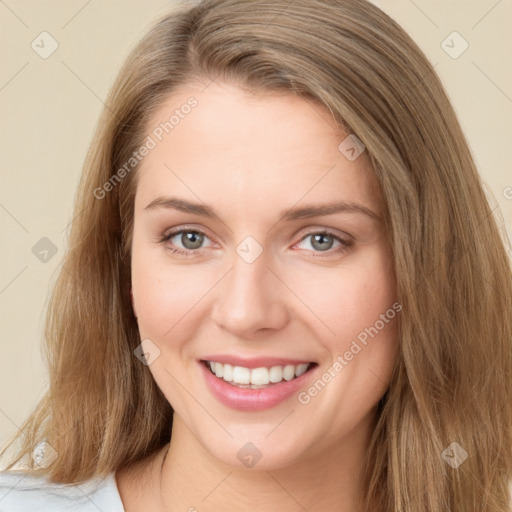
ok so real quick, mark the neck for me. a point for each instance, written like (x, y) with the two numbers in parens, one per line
(188, 478)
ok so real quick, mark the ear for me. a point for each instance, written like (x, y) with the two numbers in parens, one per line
(133, 303)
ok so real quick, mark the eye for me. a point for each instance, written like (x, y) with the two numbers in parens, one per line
(191, 240)
(323, 241)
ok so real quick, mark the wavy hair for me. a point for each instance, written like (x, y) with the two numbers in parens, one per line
(452, 381)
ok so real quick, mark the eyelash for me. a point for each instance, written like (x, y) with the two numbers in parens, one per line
(345, 244)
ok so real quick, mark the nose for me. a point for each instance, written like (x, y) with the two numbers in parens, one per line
(251, 299)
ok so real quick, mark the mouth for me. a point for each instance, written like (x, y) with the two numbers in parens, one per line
(261, 377)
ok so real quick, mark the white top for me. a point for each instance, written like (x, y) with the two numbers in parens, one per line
(22, 493)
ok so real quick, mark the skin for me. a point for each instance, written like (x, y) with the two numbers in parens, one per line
(250, 157)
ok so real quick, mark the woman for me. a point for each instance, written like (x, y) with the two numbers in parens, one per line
(284, 288)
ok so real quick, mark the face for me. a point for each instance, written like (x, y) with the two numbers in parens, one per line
(259, 246)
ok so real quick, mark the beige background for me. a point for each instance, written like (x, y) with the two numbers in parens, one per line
(49, 108)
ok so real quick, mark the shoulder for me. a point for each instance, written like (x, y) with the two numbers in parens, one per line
(21, 492)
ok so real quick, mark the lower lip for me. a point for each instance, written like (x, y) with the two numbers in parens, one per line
(246, 399)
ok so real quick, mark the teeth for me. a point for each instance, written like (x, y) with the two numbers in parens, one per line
(276, 374)
(289, 372)
(301, 369)
(241, 375)
(256, 377)
(228, 372)
(219, 369)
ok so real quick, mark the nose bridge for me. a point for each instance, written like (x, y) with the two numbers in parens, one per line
(250, 299)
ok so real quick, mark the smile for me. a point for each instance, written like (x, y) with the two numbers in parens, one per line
(257, 388)
(256, 378)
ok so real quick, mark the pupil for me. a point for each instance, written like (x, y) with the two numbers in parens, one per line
(320, 238)
(191, 237)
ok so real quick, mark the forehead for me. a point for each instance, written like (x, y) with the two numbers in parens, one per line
(271, 149)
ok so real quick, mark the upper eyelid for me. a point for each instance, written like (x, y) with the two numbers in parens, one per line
(173, 232)
(303, 234)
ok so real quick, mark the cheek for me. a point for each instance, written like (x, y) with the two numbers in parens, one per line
(151, 292)
(350, 298)
(166, 297)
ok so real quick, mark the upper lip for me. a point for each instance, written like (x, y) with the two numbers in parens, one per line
(254, 362)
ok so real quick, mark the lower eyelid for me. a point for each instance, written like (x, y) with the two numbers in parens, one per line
(343, 243)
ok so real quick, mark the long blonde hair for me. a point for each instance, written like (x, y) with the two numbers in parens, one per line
(453, 378)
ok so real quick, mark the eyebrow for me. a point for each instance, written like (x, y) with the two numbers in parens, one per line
(303, 212)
